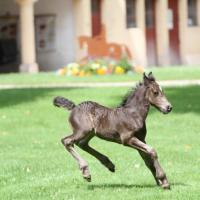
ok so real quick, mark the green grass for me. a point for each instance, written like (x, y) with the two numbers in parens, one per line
(34, 164)
(162, 73)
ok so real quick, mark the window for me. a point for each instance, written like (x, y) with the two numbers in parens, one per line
(192, 12)
(149, 13)
(131, 13)
(95, 6)
(96, 17)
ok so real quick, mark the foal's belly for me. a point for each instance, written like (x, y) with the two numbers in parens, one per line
(109, 136)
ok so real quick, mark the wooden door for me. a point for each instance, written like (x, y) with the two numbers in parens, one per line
(173, 32)
(96, 17)
(150, 31)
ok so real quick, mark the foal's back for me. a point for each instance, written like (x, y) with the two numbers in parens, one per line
(90, 115)
(104, 122)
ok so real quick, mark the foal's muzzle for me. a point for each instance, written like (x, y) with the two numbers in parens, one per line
(168, 109)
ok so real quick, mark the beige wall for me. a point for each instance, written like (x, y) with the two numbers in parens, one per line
(82, 15)
(162, 35)
(192, 46)
(189, 36)
(64, 51)
(115, 21)
(83, 25)
(134, 38)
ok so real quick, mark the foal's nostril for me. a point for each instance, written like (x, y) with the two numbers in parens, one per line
(169, 108)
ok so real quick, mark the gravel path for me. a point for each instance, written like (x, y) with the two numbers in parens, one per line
(169, 83)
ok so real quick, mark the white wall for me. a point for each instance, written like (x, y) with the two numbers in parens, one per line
(65, 34)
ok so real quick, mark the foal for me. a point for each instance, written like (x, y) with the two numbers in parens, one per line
(124, 125)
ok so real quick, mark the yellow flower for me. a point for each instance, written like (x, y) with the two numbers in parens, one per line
(101, 71)
(119, 70)
(75, 71)
(82, 73)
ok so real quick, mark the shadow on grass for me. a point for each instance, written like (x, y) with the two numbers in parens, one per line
(12, 97)
(183, 99)
(129, 186)
(113, 186)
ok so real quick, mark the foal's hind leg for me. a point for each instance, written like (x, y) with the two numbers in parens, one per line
(68, 142)
(83, 144)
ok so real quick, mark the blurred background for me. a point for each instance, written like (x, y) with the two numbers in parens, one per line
(95, 50)
(45, 35)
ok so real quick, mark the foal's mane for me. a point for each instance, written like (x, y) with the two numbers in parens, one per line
(131, 93)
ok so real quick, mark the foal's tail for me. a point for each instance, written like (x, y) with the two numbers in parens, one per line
(62, 102)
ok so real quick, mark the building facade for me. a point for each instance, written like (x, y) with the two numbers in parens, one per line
(48, 34)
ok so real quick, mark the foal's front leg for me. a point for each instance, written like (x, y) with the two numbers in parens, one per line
(68, 142)
(151, 157)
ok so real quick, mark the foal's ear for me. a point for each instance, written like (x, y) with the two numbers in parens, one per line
(145, 79)
(151, 77)
(150, 74)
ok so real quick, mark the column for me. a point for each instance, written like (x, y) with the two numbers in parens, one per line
(183, 29)
(198, 13)
(140, 17)
(83, 26)
(28, 51)
(162, 32)
(140, 14)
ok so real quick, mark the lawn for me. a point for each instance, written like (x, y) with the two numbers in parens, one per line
(161, 73)
(34, 164)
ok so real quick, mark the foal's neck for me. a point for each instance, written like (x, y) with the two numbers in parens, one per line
(138, 103)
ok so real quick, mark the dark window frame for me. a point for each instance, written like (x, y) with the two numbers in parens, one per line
(149, 14)
(192, 18)
(131, 18)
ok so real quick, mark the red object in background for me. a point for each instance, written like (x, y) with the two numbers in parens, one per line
(150, 31)
(96, 17)
(174, 33)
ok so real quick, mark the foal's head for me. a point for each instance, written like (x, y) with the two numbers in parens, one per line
(155, 94)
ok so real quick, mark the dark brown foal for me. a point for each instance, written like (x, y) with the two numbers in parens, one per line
(124, 125)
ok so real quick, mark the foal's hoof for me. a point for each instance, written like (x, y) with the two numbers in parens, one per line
(112, 170)
(86, 173)
(111, 167)
(166, 186)
(87, 178)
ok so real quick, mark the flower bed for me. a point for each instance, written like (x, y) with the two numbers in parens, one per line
(97, 67)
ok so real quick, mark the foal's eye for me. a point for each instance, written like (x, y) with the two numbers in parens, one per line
(156, 93)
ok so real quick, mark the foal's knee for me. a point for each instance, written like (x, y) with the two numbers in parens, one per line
(153, 153)
(66, 142)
